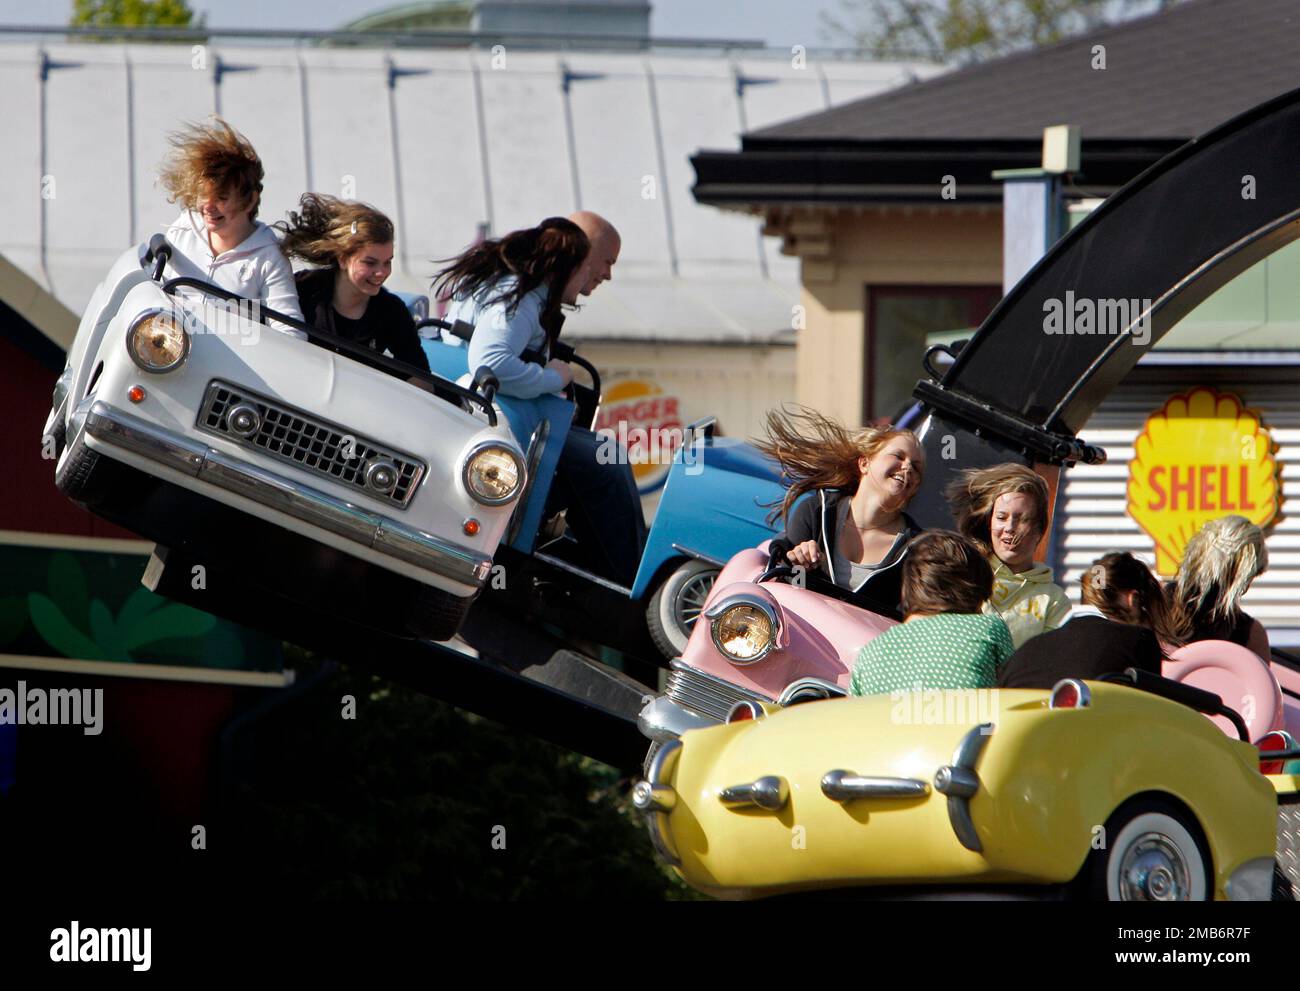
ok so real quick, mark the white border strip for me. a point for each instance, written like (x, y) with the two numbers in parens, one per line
(75, 542)
(152, 672)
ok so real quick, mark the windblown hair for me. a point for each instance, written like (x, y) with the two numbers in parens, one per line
(211, 158)
(325, 230)
(972, 495)
(546, 254)
(1112, 575)
(1221, 560)
(816, 452)
(944, 572)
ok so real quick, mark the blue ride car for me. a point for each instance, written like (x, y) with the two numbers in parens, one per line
(715, 502)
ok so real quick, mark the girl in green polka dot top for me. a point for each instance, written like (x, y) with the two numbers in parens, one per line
(944, 641)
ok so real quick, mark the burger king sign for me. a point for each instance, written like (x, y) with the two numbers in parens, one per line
(646, 428)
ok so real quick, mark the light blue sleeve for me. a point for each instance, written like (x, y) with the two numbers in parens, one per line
(500, 337)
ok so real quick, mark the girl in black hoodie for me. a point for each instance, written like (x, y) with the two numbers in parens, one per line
(843, 512)
(353, 245)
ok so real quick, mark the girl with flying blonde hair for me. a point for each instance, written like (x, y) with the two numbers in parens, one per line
(214, 173)
(1221, 560)
(843, 511)
(1004, 510)
(352, 245)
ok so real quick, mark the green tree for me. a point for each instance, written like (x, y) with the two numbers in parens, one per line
(972, 30)
(133, 14)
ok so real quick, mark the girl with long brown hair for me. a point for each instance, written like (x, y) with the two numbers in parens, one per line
(1125, 621)
(1004, 510)
(352, 246)
(843, 510)
(511, 290)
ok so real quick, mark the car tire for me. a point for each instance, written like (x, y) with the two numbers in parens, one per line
(435, 614)
(1178, 864)
(82, 475)
(677, 604)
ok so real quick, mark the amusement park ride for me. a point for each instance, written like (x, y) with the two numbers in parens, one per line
(172, 433)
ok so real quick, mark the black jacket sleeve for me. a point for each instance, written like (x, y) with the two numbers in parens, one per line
(803, 521)
(398, 333)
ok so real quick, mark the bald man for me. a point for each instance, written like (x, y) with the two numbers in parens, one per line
(605, 246)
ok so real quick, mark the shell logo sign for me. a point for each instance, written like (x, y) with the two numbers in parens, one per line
(647, 425)
(1201, 456)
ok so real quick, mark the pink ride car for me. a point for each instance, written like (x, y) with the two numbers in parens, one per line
(764, 638)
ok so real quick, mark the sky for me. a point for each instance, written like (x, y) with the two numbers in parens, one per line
(779, 23)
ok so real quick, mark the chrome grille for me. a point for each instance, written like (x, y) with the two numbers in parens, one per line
(310, 442)
(705, 694)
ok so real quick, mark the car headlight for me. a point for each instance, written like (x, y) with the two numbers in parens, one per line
(157, 342)
(744, 631)
(493, 474)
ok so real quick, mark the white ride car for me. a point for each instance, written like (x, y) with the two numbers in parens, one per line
(181, 381)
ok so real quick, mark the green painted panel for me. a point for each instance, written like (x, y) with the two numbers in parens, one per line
(90, 605)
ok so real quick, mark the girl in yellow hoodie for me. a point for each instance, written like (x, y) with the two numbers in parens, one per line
(1004, 510)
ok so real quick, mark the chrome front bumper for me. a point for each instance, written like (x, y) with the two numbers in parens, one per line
(115, 428)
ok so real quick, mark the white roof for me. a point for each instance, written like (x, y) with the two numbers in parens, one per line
(320, 118)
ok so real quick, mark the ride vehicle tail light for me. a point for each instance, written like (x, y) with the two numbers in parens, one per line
(1069, 693)
(1274, 740)
(745, 710)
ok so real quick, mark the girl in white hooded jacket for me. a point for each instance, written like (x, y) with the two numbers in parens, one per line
(214, 173)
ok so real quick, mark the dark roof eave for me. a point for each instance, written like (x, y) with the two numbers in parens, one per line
(902, 171)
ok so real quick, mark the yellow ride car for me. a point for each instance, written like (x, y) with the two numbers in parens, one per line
(1096, 788)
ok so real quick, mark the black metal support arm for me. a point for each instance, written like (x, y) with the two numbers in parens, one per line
(1042, 444)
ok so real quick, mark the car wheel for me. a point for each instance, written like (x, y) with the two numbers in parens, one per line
(435, 614)
(677, 604)
(1154, 852)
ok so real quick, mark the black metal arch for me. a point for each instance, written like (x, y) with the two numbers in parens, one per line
(1172, 236)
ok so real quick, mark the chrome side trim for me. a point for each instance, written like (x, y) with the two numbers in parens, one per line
(655, 799)
(116, 428)
(827, 689)
(663, 720)
(59, 403)
(703, 694)
(845, 786)
(959, 782)
(769, 792)
(699, 555)
(575, 570)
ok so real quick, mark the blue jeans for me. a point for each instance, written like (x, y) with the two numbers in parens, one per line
(604, 507)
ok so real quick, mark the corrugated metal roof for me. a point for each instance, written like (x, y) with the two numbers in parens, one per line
(320, 119)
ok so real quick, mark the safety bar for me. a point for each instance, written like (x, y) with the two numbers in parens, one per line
(365, 355)
(1189, 695)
